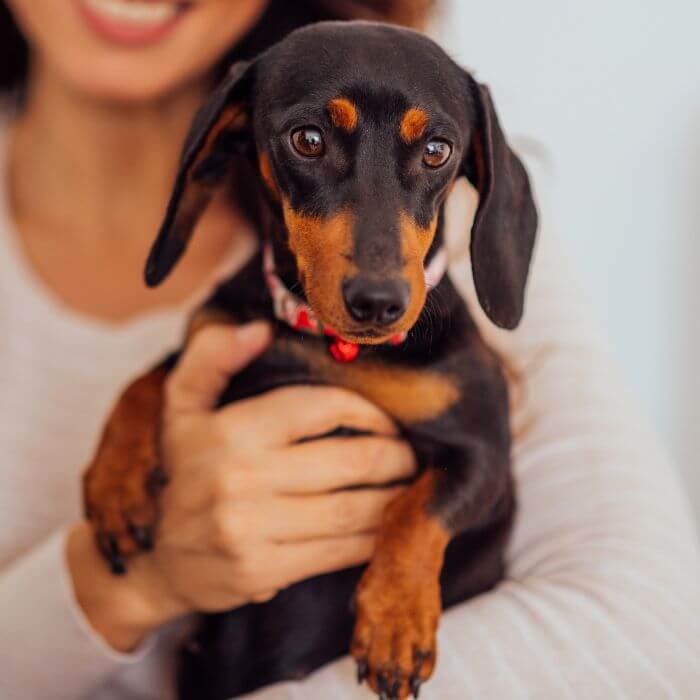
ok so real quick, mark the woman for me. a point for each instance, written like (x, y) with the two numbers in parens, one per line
(100, 94)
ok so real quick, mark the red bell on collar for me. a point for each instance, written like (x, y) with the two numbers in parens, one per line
(343, 350)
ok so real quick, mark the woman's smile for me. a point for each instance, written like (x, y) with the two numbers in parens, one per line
(132, 23)
(133, 51)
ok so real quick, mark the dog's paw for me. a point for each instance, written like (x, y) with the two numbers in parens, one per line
(121, 485)
(120, 502)
(394, 639)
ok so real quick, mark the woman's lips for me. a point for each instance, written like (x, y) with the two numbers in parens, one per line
(129, 23)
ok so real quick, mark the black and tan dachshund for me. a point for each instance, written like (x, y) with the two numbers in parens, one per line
(349, 137)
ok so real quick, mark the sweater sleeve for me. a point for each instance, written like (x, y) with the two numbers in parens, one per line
(47, 646)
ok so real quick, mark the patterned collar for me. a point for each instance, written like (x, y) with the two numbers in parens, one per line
(297, 314)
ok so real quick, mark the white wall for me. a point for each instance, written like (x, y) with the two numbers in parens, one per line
(611, 90)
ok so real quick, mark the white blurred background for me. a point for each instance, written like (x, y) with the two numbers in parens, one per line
(610, 94)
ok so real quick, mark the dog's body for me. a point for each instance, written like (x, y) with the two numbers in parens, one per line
(311, 622)
(352, 211)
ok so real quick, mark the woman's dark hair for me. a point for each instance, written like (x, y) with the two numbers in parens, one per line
(13, 51)
(279, 18)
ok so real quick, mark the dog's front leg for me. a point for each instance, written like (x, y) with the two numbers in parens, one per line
(121, 484)
(122, 481)
(398, 600)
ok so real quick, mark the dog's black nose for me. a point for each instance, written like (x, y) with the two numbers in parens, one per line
(378, 301)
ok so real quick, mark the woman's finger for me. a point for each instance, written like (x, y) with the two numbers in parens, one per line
(299, 518)
(214, 354)
(284, 416)
(331, 515)
(334, 463)
(296, 561)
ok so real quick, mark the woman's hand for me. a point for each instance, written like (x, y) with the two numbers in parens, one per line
(248, 510)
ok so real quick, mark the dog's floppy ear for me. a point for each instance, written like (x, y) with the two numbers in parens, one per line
(219, 130)
(503, 232)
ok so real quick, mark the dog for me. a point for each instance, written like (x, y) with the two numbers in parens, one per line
(350, 136)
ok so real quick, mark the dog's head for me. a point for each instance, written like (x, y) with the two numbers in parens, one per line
(359, 131)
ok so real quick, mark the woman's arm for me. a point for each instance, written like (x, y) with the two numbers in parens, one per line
(47, 646)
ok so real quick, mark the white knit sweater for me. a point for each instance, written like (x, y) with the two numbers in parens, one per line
(602, 596)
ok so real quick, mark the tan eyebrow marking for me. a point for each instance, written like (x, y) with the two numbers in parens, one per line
(413, 124)
(343, 114)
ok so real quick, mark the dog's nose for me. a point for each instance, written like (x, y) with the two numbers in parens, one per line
(380, 301)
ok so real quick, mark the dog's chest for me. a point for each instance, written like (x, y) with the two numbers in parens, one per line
(409, 394)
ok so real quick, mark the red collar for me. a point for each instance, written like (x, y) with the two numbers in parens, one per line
(298, 314)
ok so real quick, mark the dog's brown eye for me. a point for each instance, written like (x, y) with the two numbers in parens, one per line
(308, 142)
(436, 153)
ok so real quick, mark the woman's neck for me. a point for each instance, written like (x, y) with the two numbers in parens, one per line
(88, 185)
(118, 159)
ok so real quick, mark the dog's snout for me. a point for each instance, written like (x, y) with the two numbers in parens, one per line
(381, 302)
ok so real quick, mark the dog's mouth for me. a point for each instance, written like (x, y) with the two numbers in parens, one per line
(366, 337)
(371, 333)
(370, 336)
(361, 334)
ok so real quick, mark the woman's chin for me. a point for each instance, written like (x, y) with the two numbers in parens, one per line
(118, 84)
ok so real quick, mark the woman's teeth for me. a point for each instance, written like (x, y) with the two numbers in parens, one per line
(138, 13)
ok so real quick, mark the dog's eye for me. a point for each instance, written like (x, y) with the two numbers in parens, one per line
(308, 142)
(436, 153)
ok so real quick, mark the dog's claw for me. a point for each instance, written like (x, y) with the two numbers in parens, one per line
(110, 548)
(117, 566)
(142, 535)
(395, 689)
(116, 561)
(415, 686)
(383, 684)
(362, 671)
(156, 480)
